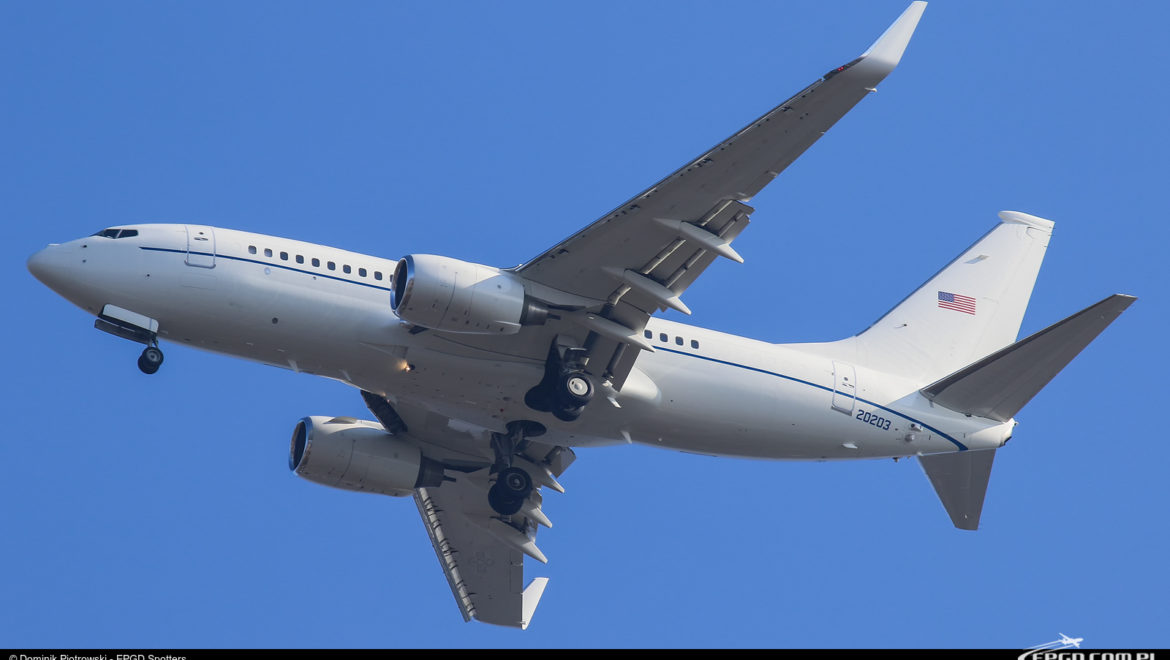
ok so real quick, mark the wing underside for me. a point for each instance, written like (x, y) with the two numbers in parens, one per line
(480, 553)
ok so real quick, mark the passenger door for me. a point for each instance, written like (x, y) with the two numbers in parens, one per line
(200, 246)
(844, 387)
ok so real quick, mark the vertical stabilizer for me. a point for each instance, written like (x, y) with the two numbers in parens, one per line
(970, 308)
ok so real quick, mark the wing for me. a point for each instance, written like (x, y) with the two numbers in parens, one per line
(480, 551)
(482, 554)
(640, 257)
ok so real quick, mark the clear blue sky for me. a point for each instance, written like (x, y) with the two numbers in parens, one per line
(159, 511)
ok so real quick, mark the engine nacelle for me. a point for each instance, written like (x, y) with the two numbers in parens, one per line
(446, 294)
(353, 454)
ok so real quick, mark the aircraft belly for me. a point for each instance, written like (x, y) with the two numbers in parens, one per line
(487, 392)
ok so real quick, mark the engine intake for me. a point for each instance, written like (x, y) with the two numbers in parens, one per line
(353, 454)
(446, 294)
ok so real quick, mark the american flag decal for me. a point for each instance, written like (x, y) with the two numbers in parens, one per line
(959, 303)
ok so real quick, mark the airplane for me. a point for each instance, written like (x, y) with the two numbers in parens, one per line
(1069, 641)
(482, 380)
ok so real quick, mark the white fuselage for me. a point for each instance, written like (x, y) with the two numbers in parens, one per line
(280, 302)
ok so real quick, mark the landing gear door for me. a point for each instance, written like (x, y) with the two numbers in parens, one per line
(200, 246)
(844, 387)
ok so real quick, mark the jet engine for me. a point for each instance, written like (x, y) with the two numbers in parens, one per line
(353, 454)
(446, 294)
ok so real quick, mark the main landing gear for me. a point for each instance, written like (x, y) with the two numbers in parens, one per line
(565, 389)
(513, 484)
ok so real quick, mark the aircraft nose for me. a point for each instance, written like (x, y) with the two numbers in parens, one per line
(45, 267)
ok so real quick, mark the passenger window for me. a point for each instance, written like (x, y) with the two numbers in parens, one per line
(300, 259)
(648, 334)
(694, 344)
(330, 265)
(362, 272)
(316, 262)
(251, 249)
(678, 340)
(345, 269)
(377, 274)
(284, 256)
(663, 337)
(268, 252)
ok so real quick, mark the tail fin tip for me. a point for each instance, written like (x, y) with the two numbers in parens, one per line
(1019, 218)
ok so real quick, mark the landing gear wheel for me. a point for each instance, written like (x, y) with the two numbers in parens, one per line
(150, 360)
(515, 482)
(501, 503)
(575, 389)
(513, 486)
(573, 392)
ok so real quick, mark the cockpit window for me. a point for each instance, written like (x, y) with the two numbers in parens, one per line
(117, 233)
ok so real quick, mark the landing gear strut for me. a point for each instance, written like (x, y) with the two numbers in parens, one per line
(513, 484)
(150, 360)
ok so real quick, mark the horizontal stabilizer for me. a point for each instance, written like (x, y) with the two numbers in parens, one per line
(960, 479)
(999, 385)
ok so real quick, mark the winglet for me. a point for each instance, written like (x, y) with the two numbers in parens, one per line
(531, 598)
(886, 52)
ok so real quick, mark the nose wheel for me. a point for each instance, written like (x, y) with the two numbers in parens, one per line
(150, 360)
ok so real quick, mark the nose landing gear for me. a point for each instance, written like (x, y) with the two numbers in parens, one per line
(150, 360)
(135, 327)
